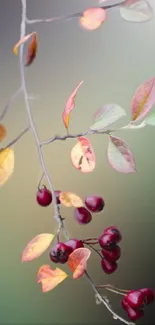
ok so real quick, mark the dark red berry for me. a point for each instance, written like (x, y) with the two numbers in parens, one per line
(135, 299)
(149, 295)
(134, 314)
(112, 255)
(74, 244)
(94, 203)
(82, 215)
(60, 253)
(107, 241)
(108, 266)
(113, 230)
(57, 193)
(44, 197)
(124, 303)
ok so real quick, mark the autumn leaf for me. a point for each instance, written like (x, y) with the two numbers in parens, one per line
(83, 156)
(69, 106)
(20, 42)
(32, 50)
(77, 261)
(49, 278)
(107, 115)
(143, 100)
(69, 199)
(3, 132)
(6, 164)
(36, 247)
(120, 156)
(93, 18)
(150, 120)
(136, 11)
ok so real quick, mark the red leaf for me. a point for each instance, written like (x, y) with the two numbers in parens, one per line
(32, 50)
(83, 156)
(77, 261)
(49, 278)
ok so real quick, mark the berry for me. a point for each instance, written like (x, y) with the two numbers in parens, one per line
(74, 244)
(57, 193)
(94, 203)
(113, 230)
(44, 197)
(124, 304)
(149, 295)
(107, 241)
(82, 215)
(108, 266)
(134, 314)
(135, 299)
(112, 255)
(60, 253)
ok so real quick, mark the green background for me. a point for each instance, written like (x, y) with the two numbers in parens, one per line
(113, 61)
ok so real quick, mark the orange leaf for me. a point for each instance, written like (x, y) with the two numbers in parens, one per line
(70, 105)
(36, 247)
(83, 156)
(77, 261)
(49, 278)
(93, 18)
(20, 42)
(7, 161)
(3, 132)
(69, 199)
(32, 50)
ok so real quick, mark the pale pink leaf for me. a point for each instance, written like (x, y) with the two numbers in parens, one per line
(136, 11)
(70, 105)
(77, 261)
(22, 41)
(93, 18)
(107, 115)
(120, 156)
(49, 278)
(36, 247)
(143, 100)
(83, 156)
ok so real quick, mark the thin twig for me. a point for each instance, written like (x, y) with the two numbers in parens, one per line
(18, 137)
(8, 105)
(110, 286)
(94, 249)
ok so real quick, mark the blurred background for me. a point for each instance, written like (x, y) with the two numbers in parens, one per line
(113, 61)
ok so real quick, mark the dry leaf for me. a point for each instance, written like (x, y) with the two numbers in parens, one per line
(107, 115)
(20, 42)
(6, 164)
(36, 247)
(49, 278)
(93, 18)
(136, 11)
(83, 156)
(3, 132)
(69, 199)
(32, 50)
(77, 261)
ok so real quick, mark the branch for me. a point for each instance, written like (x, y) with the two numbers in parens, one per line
(75, 15)
(8, 105)
(18, 137)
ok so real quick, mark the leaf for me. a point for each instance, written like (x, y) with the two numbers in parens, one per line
(143, 100)
(69, 199)
(36, 247)
(3, 132)
(107, 115)
(32, 50)
(136, 11)
(20, 42)
(83, 156)
(6, 164)
(77, 261)
(150, 120)
(93, 18)
(119, 156)
(49, 278)
(70, 105)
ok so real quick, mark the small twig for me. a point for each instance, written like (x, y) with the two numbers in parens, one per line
(17, 138)
(8, 105)
(110, 286)
(94, 249)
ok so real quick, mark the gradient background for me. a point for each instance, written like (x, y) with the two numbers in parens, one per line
(113, 61)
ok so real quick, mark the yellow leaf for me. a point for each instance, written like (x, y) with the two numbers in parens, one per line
(20, 42)
(3, 132)
(6, 164)
(69, 199)
(49, 278)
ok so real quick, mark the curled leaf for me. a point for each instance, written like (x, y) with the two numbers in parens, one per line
(49, 278)
(120, 156)
(77, 261)
(143, 100)
(107, 115)
(69, 199)
(70, 105)
(20, 42)
(136, 11)
(83, 156)
(93, 18)
(36, 247)
(3, 132)
(6, 164)
(32, 50)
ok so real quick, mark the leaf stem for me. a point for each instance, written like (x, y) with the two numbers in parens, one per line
(18, 137)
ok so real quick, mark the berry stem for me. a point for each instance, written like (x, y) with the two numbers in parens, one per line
(112, 288)
(95, 250)
(41, 178)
